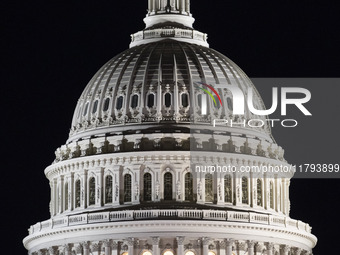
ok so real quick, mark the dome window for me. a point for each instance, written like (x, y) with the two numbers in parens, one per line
(92, 191)
(189, 187)
(209, 193)
(151, 100)
(147, 187)
(108, 189)
(119, 104)
(245, 190)
(77, 195)
(134, 101)
(167, 99)
(218, 105)
(199, 100)
(95, 107)
(127, 188)
(106, 104)
(227, 189)
(66, 196)
(86, 108)
(185, 100)
(168, 186)
(230, 104)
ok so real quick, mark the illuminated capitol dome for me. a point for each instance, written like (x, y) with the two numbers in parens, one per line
(126, 181)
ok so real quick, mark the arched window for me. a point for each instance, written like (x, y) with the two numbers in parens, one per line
(189, 187)
(119, 104)
(185, 99)
(106, 104)
(151, 100)
(92, 191)
(167, 186)
(227, 189)
(230, 104)
(199, 100)
(209, 192)
(86, 108)
(211, 253)
(134, 101)
(167, 99)
(245, 190)
(66, 196)
(190, 253)
(127, 188)
(168, 253)
(95, 107)
(147, 187)
(146, 253)
(108, 189)
(271, 199)
(259, 192)
(77, 194)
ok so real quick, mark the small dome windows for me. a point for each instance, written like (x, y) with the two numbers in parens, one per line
(185, 99)
(230, 104)
(106, 104)
(95, 107)
(119, 104)
(167, 100)
(134, 101)
(151, 100)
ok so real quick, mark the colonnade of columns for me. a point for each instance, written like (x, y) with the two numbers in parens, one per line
(202, 246)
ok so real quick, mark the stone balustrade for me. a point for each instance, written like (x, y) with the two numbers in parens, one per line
(216, 215)
(163, 141)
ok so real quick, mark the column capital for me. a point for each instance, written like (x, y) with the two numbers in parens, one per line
(251, 244)
(52, 251)
(155, 240)
(297, 251)
(114, 245)
(241, 246)
(85, 245)
(258, 247)
(67, 247)
(180, 240)
(78, 248)
(270, 246)
(285, 248)
(95, 246)
(229, 242)
(107, 243)
(205, 240)
(130, 241)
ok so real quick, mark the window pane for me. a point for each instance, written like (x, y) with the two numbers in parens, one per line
(189, 187)
(185, 100)
(259, 192)
(127, 188)
(167, 100)
(230, 103)
(92, 191)
(119, 104)
(108, 189)
(227, 189)
(106, 104)
(168, 186)
(95, 106)
(151, 100)
(134, 101)
(209, 194)
(244, 190)
(77, 195)
(147, 187)
(218, 105)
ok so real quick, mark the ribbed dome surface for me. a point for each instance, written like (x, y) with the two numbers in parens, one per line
(155, 83)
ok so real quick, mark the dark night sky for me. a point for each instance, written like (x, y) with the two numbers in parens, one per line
(51, 49)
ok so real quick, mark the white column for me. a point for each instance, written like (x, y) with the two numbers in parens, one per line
(135, 184)
(187, 6)
(285, 250)
(155, 245)
(180, 245)
(95, 248)
(114, 248)
(222, 248)
(107, 247)
(131, 242)
(251, 247)
(229, 246)
(85, 248)
(116, 185)
(205, 241)
(270, 247)
(67, 249)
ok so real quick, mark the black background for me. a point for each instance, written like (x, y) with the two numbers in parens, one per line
(51, 49)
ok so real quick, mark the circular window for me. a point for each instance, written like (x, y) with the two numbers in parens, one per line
(168, 253)
(147, 253)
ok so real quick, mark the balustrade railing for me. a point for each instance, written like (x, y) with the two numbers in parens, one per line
(230, 216)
